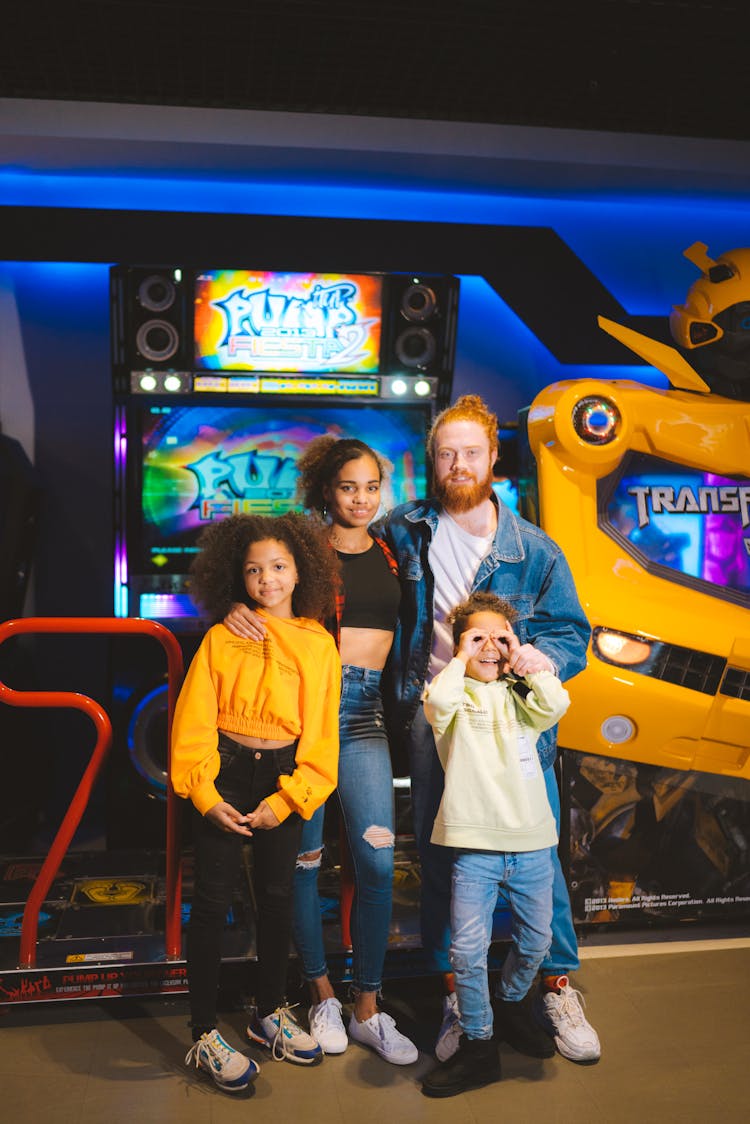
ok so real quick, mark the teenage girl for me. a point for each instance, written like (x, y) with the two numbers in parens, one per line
(341, 480)
(255, 748)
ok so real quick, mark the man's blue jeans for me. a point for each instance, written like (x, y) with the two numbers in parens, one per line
(526, 880)
(427, 780)
(365, 793)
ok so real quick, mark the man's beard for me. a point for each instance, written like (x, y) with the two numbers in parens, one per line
(462, 497)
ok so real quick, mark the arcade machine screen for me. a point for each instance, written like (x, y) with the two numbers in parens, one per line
(200, 462)
(686, 524)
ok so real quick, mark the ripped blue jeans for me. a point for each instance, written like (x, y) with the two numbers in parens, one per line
(525, 878)
(365, 794)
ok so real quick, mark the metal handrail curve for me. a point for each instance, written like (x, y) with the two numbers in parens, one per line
(103, 726)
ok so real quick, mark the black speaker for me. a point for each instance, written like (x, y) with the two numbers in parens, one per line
(420, 327)
(150, 327)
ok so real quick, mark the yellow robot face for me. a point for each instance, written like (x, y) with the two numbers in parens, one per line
(647, 493)
(717, 307)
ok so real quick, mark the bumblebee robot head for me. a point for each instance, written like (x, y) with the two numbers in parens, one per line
(713, 325)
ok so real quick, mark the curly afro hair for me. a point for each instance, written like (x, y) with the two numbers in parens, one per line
(480, 602)
(324, 458)
(216, 574)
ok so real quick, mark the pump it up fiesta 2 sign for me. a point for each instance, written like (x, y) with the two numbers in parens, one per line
(270, 321)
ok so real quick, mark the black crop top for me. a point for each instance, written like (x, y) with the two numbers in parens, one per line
(371, 590)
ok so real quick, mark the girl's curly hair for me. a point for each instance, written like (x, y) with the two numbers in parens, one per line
(480, 602)
(323, 458)
(216, 574)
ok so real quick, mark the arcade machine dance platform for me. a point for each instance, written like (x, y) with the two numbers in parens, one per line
(221, 378)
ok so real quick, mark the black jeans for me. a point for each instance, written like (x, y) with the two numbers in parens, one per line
(245, 778)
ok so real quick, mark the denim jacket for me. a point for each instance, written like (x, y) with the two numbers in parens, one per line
(524, 567)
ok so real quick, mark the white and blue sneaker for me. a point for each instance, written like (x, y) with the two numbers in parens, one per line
(230, 1069)
(280, 1033)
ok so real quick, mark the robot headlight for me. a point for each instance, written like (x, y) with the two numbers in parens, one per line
(621, 647)
(596, 420)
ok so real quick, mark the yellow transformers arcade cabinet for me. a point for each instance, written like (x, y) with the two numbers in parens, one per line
(647, 492)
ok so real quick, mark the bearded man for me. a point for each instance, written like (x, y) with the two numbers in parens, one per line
(461, 540)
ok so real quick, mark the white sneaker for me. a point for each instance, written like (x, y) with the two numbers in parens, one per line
(327, 1026)
(284, 1037)
(450, 1029)
(380, 1034)
(230, 1069)
(561, 1015)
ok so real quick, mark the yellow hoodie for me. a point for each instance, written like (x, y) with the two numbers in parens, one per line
(287, 686)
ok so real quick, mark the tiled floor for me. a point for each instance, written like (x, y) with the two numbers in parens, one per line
(673, 1020)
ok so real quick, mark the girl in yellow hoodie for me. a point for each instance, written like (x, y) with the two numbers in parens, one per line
(255, 748)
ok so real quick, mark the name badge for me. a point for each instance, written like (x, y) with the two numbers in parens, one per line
(526, 756)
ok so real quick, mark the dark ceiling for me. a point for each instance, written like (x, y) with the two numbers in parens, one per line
(676, 67)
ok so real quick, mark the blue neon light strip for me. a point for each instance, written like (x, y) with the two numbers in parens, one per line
(633, 243)
(164, 606)
(326, 200)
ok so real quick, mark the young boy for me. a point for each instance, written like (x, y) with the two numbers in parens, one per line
(496, 815)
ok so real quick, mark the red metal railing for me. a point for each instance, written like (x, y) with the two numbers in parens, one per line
(103, 725)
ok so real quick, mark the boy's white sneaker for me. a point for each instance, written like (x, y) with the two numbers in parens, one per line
(561, 1015)
(327, 1026)
(380, 1034)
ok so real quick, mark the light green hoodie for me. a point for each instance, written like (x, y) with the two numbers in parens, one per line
(495, 797)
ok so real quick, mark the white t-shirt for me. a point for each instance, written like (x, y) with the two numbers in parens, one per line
(454, 556)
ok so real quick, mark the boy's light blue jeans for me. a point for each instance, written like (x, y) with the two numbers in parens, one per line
(427, 781)
(365, 792)
(525, 878)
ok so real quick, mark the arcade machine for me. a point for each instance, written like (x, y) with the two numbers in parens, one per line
(647, 493)
(221, 378)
